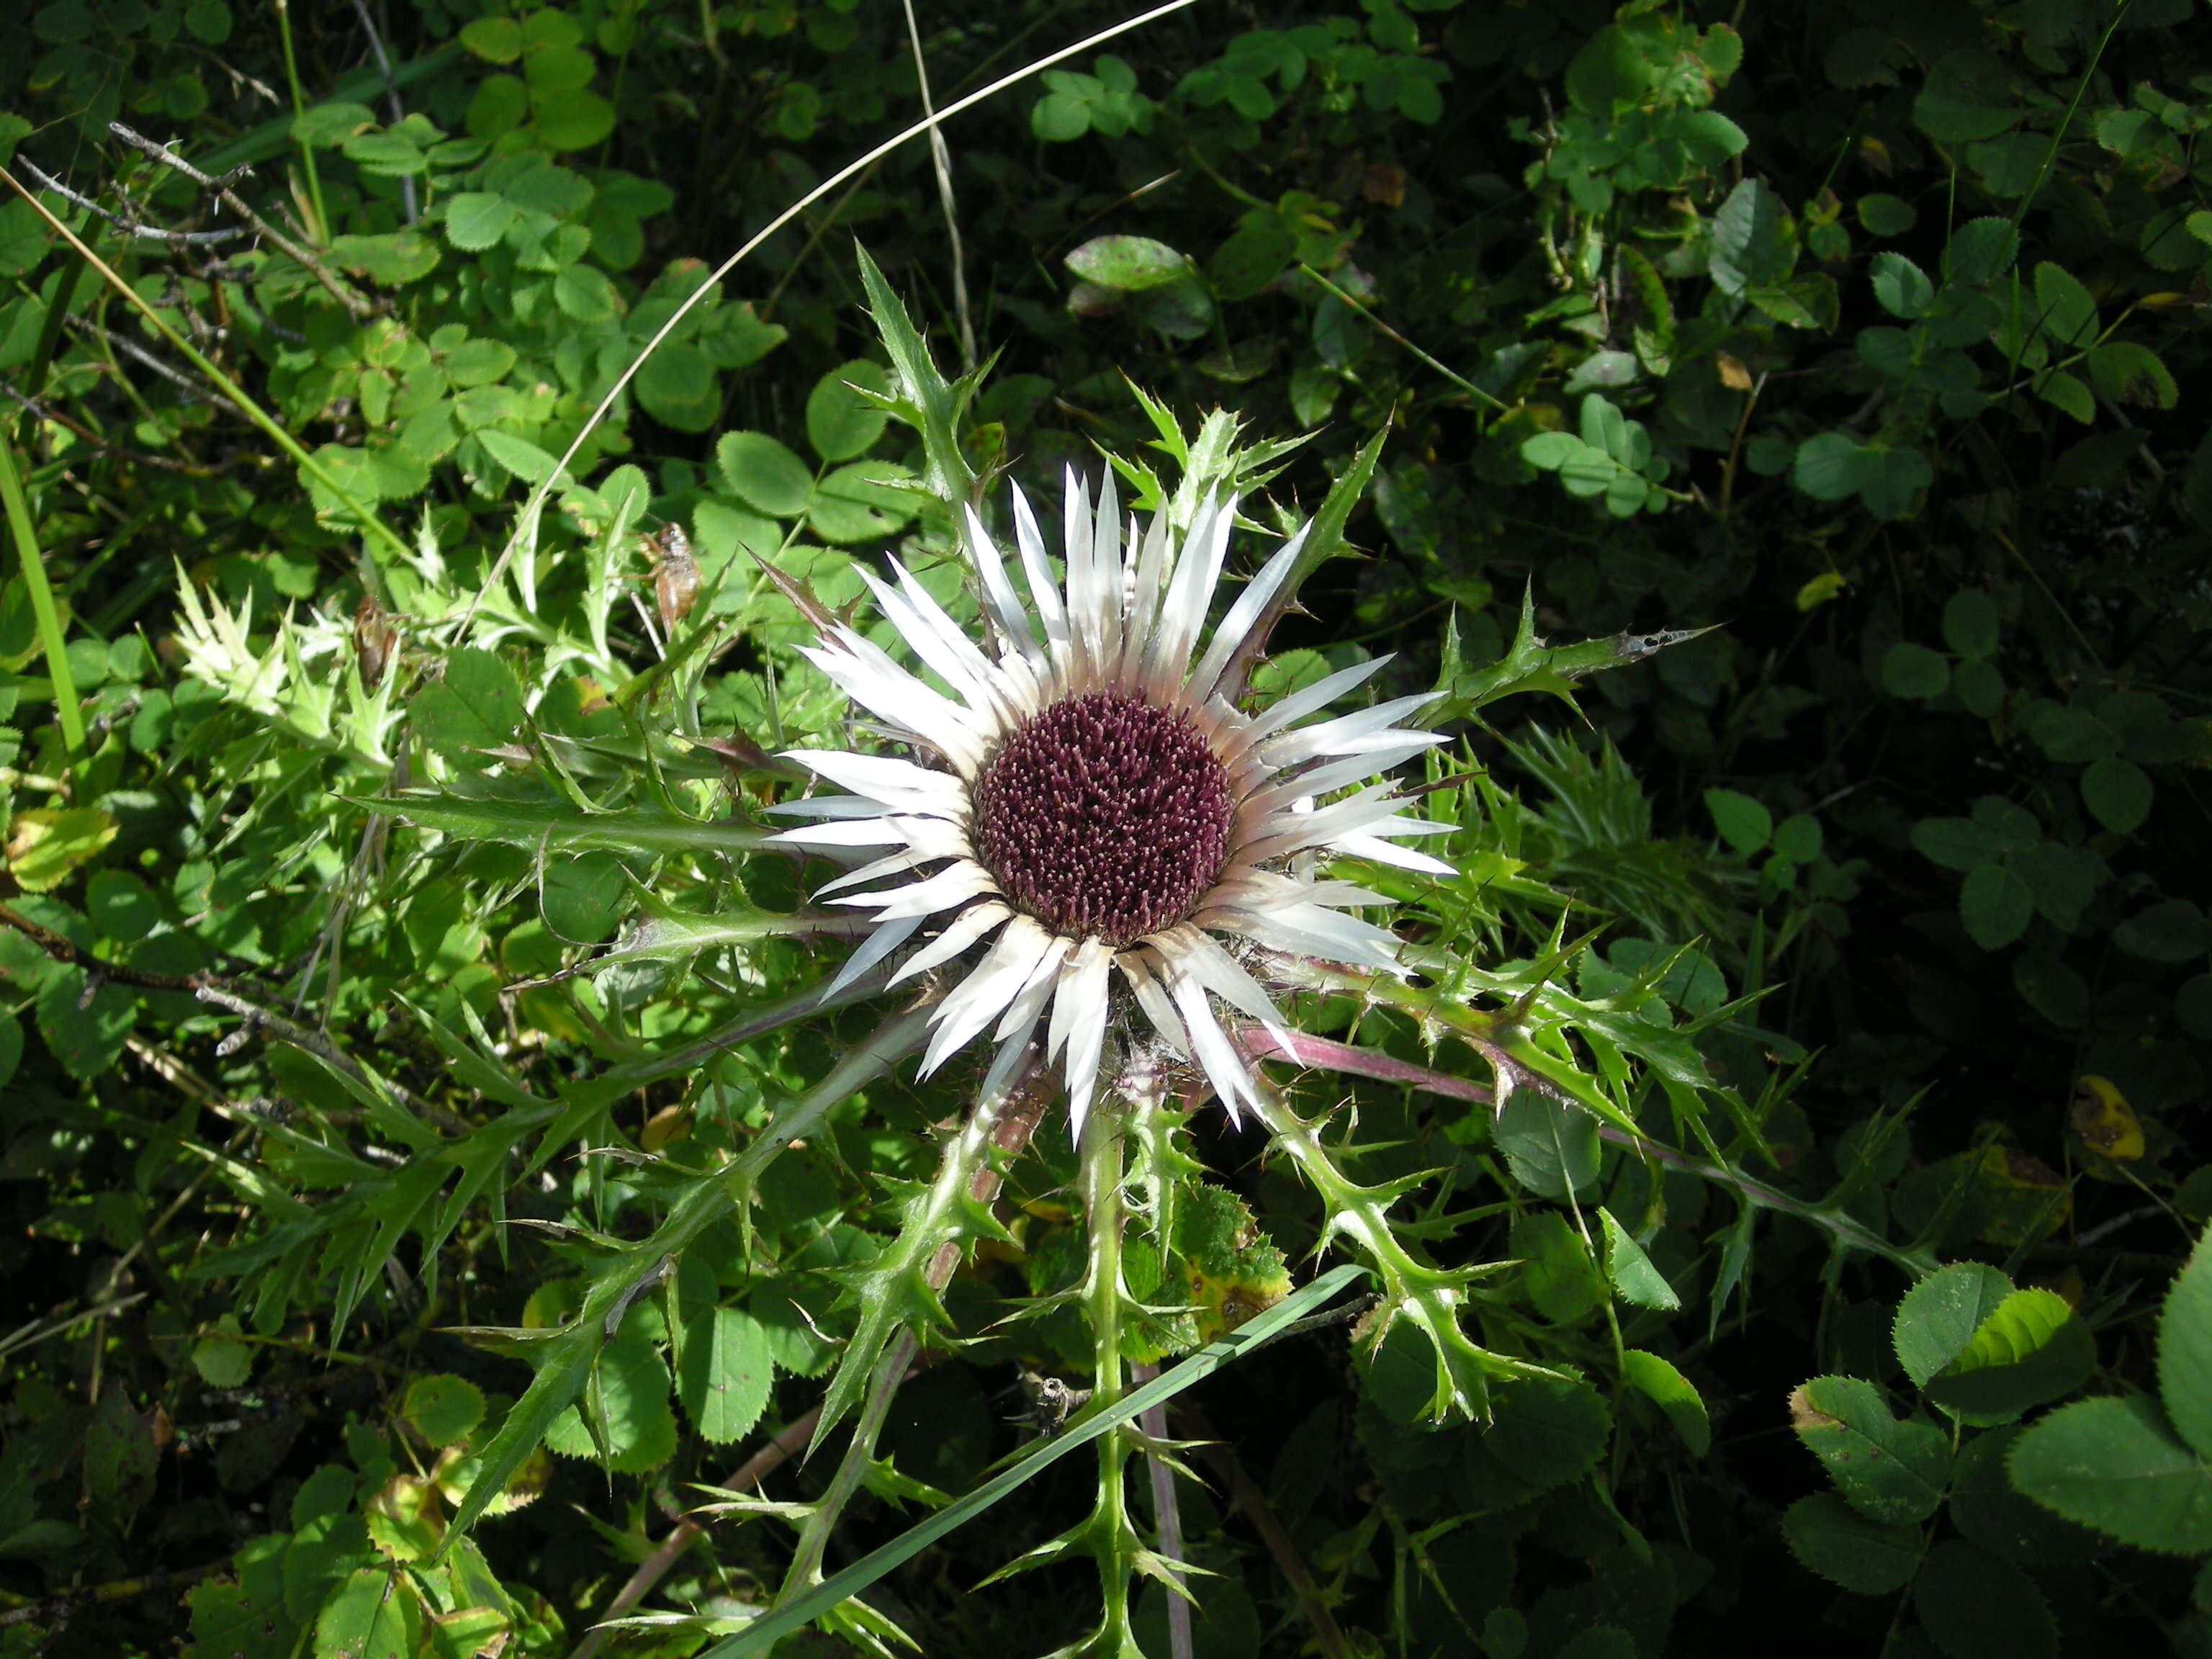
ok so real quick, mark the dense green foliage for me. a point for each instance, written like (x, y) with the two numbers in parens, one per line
(431, 1159)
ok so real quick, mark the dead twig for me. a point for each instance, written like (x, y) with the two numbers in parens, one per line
(1251, 1504)
(391, 96)
(323, 1049)
(84, 435)
(199, 390)
(786, 1445)
(57, 1609)
(128, 226)
(361, 309)
(209, 989)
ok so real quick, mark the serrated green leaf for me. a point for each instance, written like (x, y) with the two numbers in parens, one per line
(2066, 312)
(1129, 263)
(1978, 1607)
(1549, 1431)
(374, 1615)
(863, 502)
(476, 220)
(1743, 822)
(1673, 1394)
(2129, 372)
(443, 1408)
(1888, 1470)
(1913, 670)
(842, 424)
(1995, 904)
(1938, 1317)
(1633, 1276)
(2185, 1350)
(1844, 1546)
(624, 1418)
(724, 1373)
(2118, 1465)
(1901, 287)
(2118, 794)
(2031, 1349)
(1970, 623)
(764, 474)
(1562, 1282)
(1551, 1149)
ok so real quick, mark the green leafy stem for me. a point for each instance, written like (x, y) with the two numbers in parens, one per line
(757, 1636)
(568, 1357)
(1323, 1053)
(1430, 1297)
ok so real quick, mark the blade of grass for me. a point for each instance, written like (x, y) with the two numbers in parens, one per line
(756, 1636)
(371, 525)
(321, 227)
(929, 123)
(42, 600)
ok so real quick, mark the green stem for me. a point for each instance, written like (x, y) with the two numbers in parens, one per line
(765, 1631)
(320, 230)
(1103, 1218)
(890, 1370)
(1388, 332)
(42, 600)
(1430, 1297)
(1324, 1054)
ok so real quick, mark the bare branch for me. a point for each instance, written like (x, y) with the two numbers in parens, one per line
(361, 309)
(130, 227)
(392, 97)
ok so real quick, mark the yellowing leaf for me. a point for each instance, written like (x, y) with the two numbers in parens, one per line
(46, 844)
(2104, 1120)
(1822, 588)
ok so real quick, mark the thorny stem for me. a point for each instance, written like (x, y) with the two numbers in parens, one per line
(1103, 1293)
(883, 1384)
(1323, 1055)
(130, 227)
(1430, 1297)
(1003, 1122)
(360, 309)
(780, 1450)
(1144, 1086)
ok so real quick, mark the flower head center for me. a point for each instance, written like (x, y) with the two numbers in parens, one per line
(1104, 817)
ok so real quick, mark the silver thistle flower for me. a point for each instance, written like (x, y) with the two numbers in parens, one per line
(1087, 801)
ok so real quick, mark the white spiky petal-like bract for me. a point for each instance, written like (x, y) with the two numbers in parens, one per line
(1088, 801)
